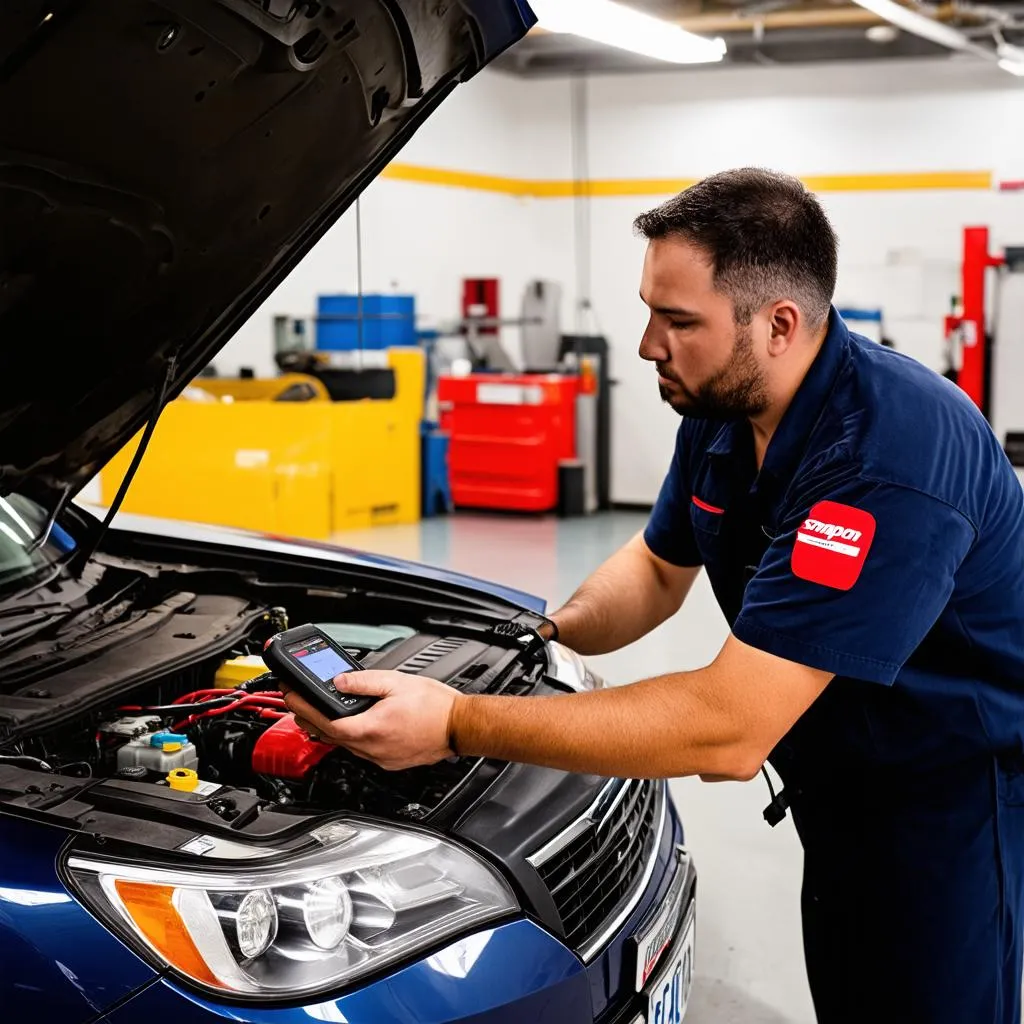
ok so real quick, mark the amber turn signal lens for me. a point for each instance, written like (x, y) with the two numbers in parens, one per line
(152, 909)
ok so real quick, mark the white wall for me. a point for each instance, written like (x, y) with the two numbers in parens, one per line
(424, 239)
(899, 250)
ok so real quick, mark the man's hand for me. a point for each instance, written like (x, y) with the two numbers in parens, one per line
(408, 727)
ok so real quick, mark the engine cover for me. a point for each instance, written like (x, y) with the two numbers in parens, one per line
(286, 752)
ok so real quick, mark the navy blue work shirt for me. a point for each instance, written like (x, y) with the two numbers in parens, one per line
(883, 541)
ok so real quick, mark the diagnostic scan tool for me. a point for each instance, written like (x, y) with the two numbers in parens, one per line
(308, 660)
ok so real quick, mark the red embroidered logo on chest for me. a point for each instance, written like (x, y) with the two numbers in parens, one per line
(832, 545)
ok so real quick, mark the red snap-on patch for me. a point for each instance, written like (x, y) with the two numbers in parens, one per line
(832, 545)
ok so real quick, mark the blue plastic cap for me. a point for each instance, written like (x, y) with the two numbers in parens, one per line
(158, 739)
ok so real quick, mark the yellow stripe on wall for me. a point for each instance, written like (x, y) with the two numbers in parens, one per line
(900, 182)
(460, 179)
(563, 189)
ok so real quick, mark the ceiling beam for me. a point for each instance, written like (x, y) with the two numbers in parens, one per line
(714, 23)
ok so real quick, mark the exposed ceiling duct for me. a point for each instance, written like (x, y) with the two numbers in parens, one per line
(928, 27)
(791, 32)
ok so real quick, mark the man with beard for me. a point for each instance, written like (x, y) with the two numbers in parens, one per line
(863, 533)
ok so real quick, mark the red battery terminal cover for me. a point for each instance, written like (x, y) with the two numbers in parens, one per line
(286, 751)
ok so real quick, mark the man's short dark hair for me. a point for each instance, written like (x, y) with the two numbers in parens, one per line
(767, 236)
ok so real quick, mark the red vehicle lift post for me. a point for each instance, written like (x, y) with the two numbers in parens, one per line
(976, 370)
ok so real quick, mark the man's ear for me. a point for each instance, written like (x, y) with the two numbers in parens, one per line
(785, 319)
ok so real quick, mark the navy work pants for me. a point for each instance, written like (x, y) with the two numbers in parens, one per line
(913, 898)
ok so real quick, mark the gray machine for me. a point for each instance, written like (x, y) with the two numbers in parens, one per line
(539, 322)
(541, 327)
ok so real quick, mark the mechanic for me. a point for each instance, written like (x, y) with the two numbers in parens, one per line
(863, 533)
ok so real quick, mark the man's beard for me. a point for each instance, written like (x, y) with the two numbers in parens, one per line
(736, 391)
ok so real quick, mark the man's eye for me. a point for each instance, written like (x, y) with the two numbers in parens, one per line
(680, 325)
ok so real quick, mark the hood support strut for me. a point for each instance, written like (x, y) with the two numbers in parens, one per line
(82, 556)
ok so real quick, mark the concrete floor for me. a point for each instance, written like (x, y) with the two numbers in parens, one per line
(749, 956)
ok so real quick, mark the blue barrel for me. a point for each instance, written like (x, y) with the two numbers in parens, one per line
(388, 321)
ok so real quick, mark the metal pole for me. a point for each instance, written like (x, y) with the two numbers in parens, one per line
(359, 279)
(581, 200)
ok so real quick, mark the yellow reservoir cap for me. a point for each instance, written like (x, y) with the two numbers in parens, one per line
(171, 748)
(233, 673)
(183, 779)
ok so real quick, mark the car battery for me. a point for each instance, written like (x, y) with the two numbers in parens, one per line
(507, 436)
(235, 671)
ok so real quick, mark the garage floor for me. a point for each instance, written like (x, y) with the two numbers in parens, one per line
(749, 955)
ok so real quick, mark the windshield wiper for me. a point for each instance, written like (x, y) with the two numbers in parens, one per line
(81, 557)
(10, 611)
(29, 627)
(79, 622)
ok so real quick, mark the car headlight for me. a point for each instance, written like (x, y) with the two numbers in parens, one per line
(568, 668)
(357, 898)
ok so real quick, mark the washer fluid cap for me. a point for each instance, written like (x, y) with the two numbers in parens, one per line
(184, 780)
(158, 739)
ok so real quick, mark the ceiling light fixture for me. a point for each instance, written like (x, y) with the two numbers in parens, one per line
(944, 35)
(614, 24)
(1009, 55)
(919, 24)
(882, 34)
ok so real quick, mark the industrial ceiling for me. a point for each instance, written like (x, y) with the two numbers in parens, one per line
(775, 32)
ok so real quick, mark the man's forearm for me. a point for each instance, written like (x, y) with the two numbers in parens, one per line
(588, 624)
(660, 728)
(622, 601)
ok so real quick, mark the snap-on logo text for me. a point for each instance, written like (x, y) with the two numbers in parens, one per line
(831, 531)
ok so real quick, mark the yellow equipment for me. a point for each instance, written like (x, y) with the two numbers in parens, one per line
(257, 389)
(236, 671)
(229, 452)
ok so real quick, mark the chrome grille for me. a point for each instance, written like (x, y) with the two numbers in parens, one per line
(598, 867)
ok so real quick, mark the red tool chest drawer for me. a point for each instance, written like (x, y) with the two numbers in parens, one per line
(507, 435)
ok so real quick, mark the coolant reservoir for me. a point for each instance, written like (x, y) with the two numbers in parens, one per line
(160, 752)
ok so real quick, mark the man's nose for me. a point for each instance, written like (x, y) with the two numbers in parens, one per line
(651, 347)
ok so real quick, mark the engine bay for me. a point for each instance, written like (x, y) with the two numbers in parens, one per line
(222, 722)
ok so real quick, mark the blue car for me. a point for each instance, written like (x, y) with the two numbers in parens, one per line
(172, 845)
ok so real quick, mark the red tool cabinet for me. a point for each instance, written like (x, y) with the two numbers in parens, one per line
(507, 436)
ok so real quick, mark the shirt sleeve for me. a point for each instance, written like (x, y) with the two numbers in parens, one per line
(669, 532)
(855, 580)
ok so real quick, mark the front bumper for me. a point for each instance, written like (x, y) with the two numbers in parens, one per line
(510, 974)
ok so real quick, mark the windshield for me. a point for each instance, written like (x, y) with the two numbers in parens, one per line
(22, 522)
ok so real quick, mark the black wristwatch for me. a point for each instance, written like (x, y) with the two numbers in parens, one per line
(526, 636)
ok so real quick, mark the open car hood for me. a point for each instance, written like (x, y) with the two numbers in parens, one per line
(164, 165)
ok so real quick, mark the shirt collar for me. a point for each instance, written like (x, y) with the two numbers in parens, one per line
(724, 441)
(790, 437)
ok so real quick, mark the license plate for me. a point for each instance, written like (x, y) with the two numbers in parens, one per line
(670, 993)
(656, 936)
